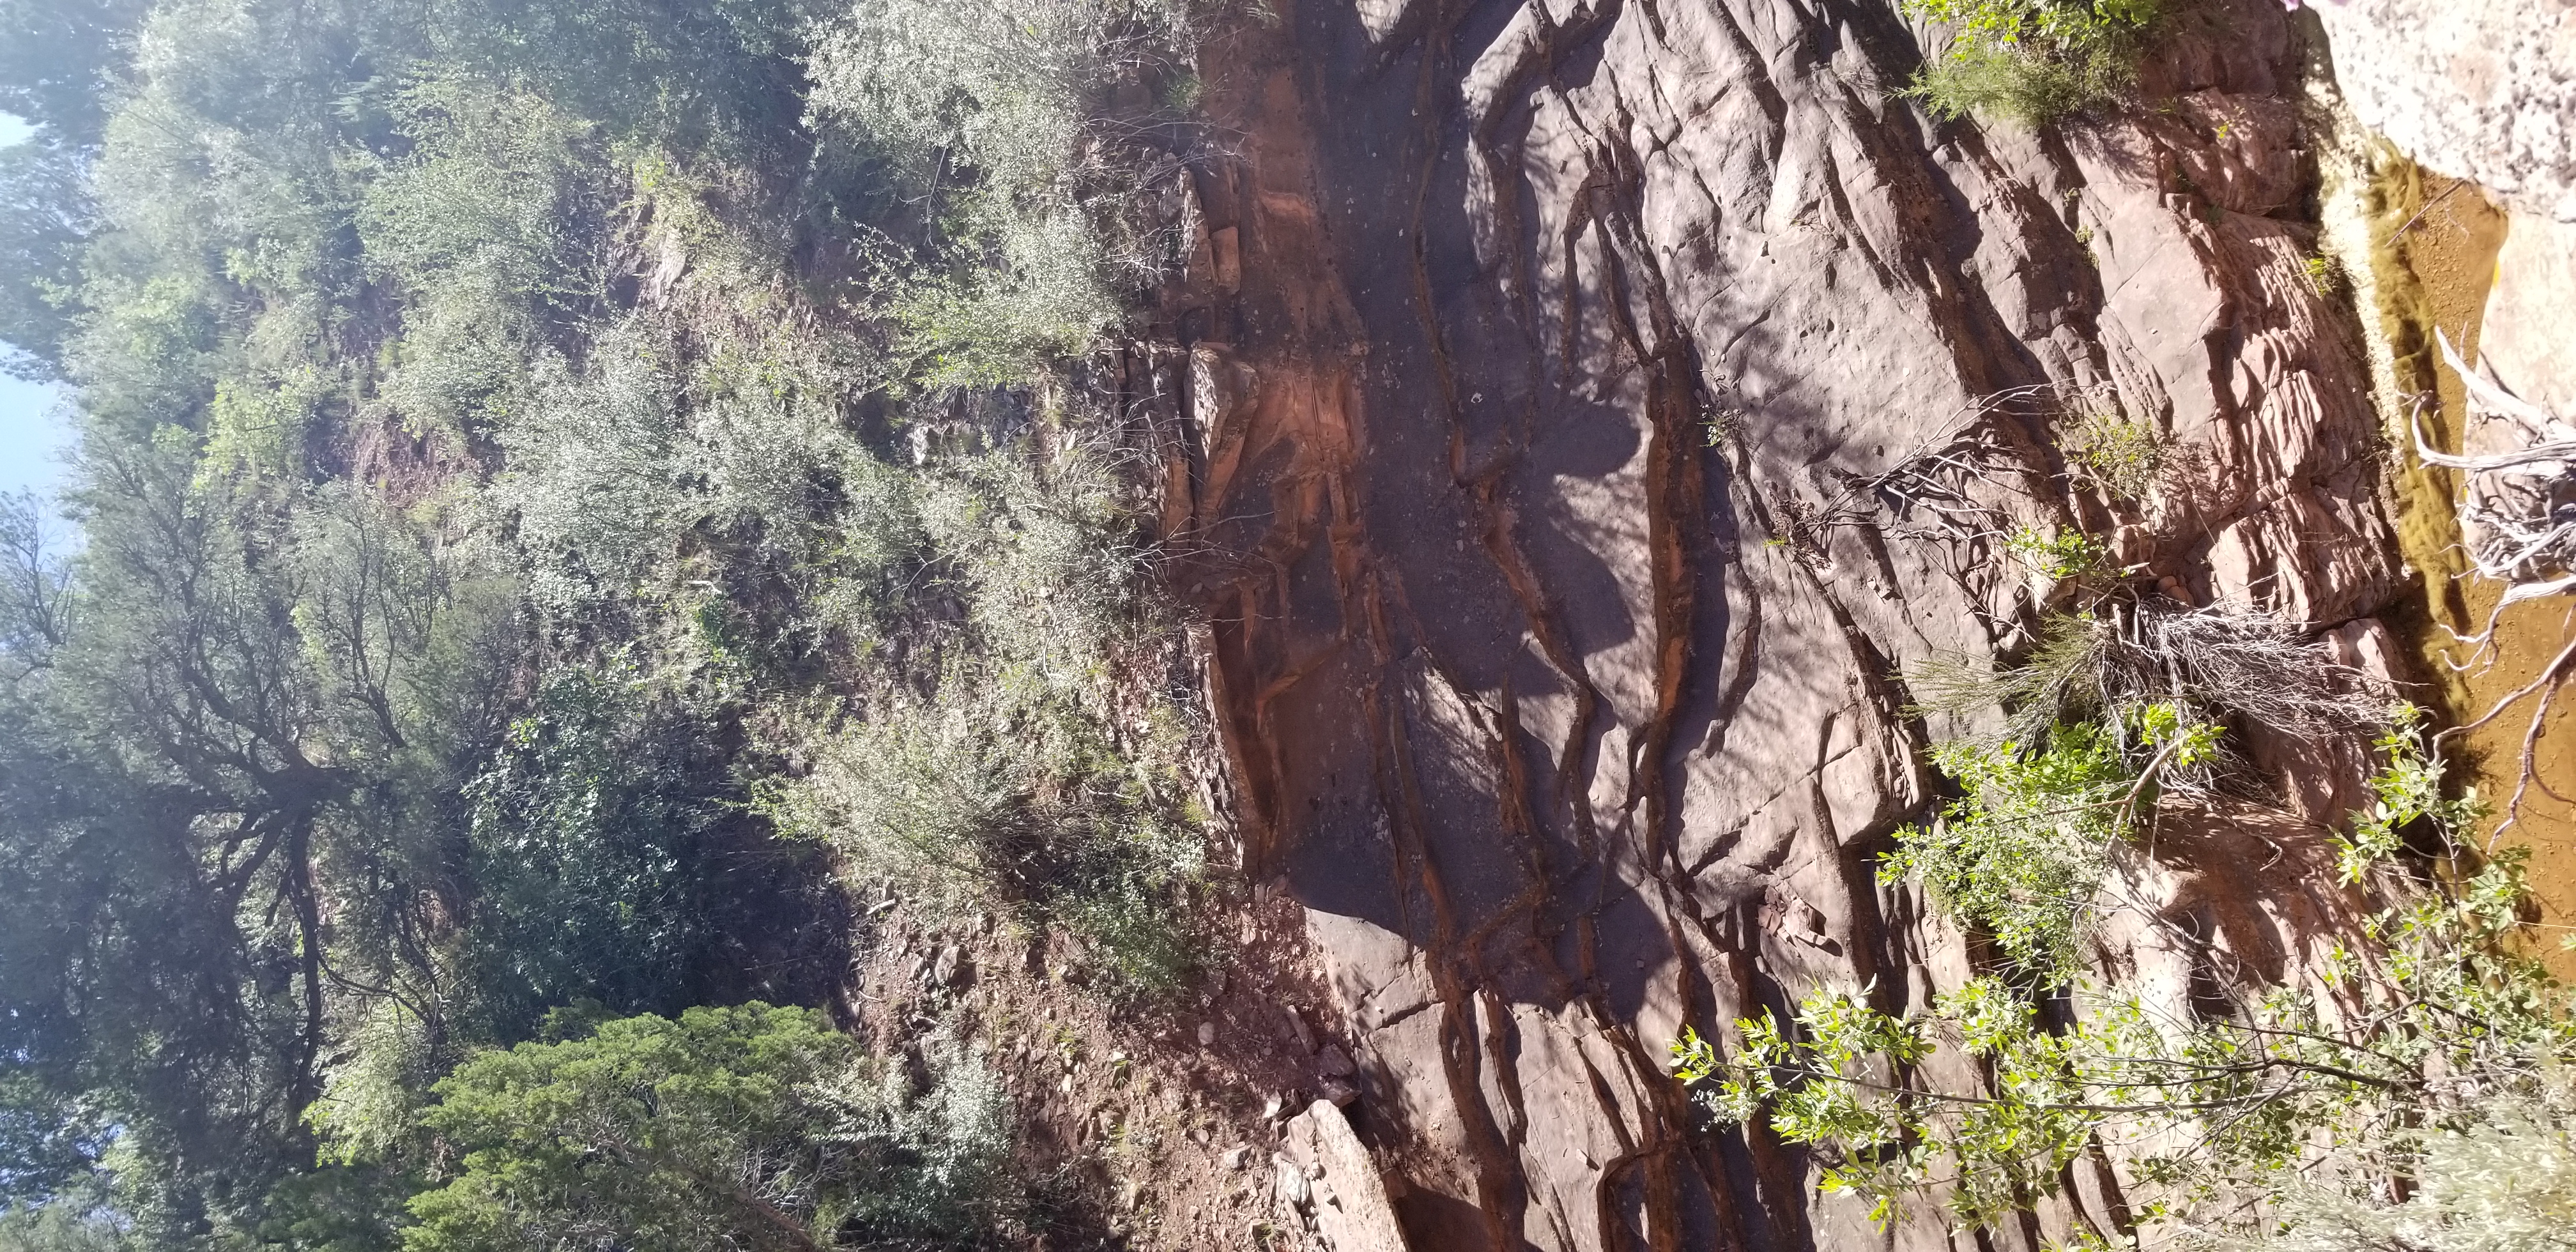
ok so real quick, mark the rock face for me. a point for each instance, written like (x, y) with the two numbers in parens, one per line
(1343, 1194)
(2531, 314)
(1555, 386)
(2481, 89)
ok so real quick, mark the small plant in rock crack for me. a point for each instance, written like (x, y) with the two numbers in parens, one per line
(2326, 277)
(1722, 425)
(2119, 455)
(2061, 554)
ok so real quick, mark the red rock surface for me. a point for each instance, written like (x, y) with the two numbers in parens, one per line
(1570, 724)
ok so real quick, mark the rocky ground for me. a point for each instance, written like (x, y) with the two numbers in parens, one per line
(1179, 1125)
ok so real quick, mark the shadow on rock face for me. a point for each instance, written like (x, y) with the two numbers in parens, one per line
(1560, 702)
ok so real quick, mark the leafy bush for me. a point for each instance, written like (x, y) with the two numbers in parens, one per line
(2502, 1178)
(975, 804)
(63, 1226)
(858, 574)
(585, 847)
(2066, 553)
(371, 1107)
(1011, 92)
(2024, 854)
(495, 193)
(1002, 110)
(2030, 60)
(746, 1126)
(2279, 1122)
(488, 225)
(2406, 791)
(1043, 295)
(2099, 721)
(2122, 456)
(594, 466)
(1009, 785)
(1050, 560)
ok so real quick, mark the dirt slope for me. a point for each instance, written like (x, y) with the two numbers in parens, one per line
(1528, 364)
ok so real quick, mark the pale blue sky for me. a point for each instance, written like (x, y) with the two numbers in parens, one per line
(32, 441)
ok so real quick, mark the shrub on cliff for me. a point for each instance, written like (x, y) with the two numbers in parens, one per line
(2024, 854)
(1009, 110)
(748, 1126)
(2030, 60)
(2413, 1094)
(1013, 784)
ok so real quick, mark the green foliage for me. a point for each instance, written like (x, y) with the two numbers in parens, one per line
(593, 479)
(2119, 455)
(2406, 791)
(2023, 855)
(63, 1226)
(2208, 1112)
(1049, 559)
(2326, 277)
(975, 803)
(2063, 554)
(489, 225)
(370, 1108)
(1043, 298)
(2275, 1123)
(1010, 786)
(586, 828)
(715, 80)
(45, 220)
(490, 415)
(2503, 1179)
(747, 1126)
(36, 600)
(54, 71)
(2030, 60)
(1030, 270)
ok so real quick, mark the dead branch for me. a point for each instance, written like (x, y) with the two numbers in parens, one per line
(2518, 522)
(2518, 508)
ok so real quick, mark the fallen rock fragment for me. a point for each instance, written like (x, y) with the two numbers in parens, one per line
(1335, 1062)
(1292, 1181)
(1335, 1179)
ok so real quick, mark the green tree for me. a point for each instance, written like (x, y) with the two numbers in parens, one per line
(589, 828)
(58, 56)
(45, 222)
(63, 1226)
(750, 1126)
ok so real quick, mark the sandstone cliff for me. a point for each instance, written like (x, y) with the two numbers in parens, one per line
(1563, 386)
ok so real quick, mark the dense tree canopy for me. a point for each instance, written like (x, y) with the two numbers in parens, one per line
(493, 496)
